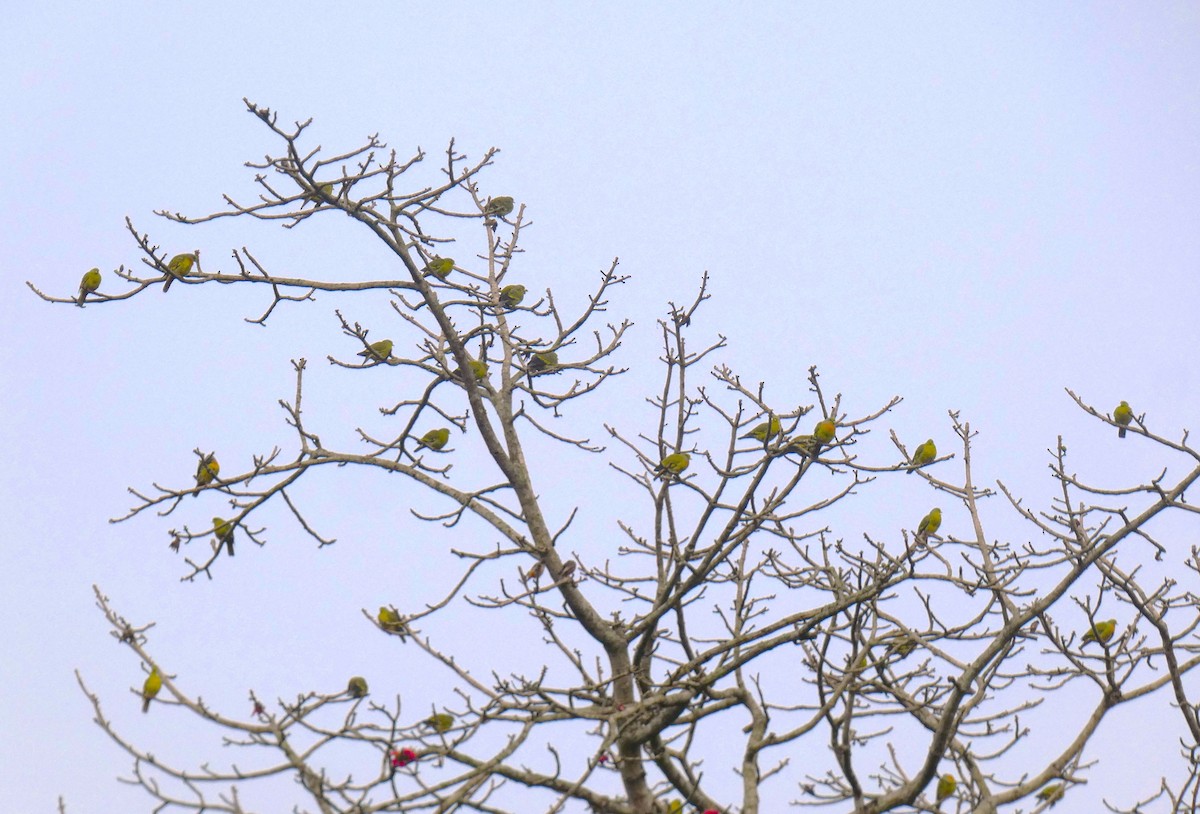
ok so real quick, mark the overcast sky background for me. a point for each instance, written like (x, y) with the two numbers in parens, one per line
(971, 207)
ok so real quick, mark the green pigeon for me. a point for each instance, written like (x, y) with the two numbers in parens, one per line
(804, 444)
(319, 194)
(1123, 414)
(540, 362)
(929, 524)
(1052, 794)
(499, 207)
(88, 285)
(150, 688)
(673, 464)
(945, 787)
(207, 471)
(179, 266)
(441, 722)
(223, 529)
(390, 621)
(379, 351)
(923, 454)
(440, 267)
(1101, 632)
(767, 429)
(435, 439)
(511, 295)
(824, 431)
(477, 367)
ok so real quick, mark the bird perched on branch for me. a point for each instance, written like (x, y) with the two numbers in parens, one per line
(179, 266)
(379, 351)
(223, 529)
(764, 431)
(945, 787)
(150, 688)
(673, 464)
(825, 431)
(1101, 632)
(1052, 794)
(499, 207)
(434, 439)
(541, 362)
(391, 622)
(902, 644)
(511, 295)
(1123, 414)
(923, 454)
(440, 722)
(478, 368)
(357, 687)
(440, 267)
(207, 471)
(318, 195)
(929, 524)
(804, 444)
(88, 285)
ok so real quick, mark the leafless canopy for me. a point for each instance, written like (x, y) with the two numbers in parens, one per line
(758, 658)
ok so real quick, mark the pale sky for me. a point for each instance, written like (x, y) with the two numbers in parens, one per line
(969, 206)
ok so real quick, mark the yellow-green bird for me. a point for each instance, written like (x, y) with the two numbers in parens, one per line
(945, 787)
(929, 524)
(88, 285)
(441, 722)
(318, 195)
(357, 687)
(150, 688)
(923, 454)
(440, 267)
(179, 266)
(434, 439)
(511, 295)
(1052, 794)
(390, 621)
(223, 529)
(541, 362)
(764, 431)
(902, 644)
(1101, 632)
(500, 206)
(379, 351)
(804, 444)
(673, 464)
(825, 430)
(207, 471)
(477, 367)
(1123, 414)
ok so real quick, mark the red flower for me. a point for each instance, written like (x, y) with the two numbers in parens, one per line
(403, 757)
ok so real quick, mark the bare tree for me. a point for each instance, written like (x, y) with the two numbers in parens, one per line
(920, 670)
